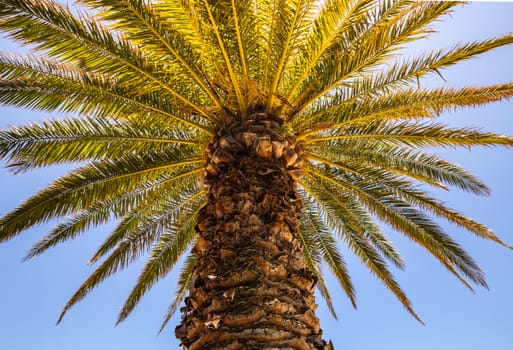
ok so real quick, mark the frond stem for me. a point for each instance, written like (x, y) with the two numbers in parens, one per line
(281, 63)
(241, 49)
(240, 99)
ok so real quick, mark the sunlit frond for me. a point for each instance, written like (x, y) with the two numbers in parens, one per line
(403, 72)
(415, 135)
(49, 85)
(402, 104)
(331, 29)
(420, 166)
(85, 42)
(294, 19)
(164, 255)
(77, 140)
(88, 185)
(406, 219)
(369, 46)
(139, 241)
(139, 21)
(185, 277)
(146, 195)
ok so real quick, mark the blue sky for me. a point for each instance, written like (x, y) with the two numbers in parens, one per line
(33, 293)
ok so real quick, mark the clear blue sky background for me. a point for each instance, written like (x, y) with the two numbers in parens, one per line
(33, 293)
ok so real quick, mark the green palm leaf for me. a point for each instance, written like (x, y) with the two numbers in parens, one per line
(91, 139)
(416, 135)
(409, 104)
(170, 247)
(369, 47)
(84, 187)
(122, 206)
(420, 166)
(408, 220)
(186, 276)
(138, 241)
(61, 35)
(139, 20)
(330, 209)
(48, 85)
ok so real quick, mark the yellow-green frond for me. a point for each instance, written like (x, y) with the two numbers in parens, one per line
(184, 279)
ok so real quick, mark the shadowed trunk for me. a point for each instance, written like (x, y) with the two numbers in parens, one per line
(251, 289)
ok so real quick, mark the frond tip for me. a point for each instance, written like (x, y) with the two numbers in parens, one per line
(185, 278)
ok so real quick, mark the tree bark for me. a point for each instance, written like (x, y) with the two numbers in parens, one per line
(251, 289)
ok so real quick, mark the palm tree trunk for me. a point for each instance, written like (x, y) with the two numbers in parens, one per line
(251, 289)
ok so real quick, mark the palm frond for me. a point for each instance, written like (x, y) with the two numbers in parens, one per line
(49, 85)
(331, 28)
(213, 14)
(239, 14)
(137, 243)
(268, 17)
(187, 18)
(184, 279)
(404, 218)
(363, 224)
(334, 212)
(390, 183)
(139, 20)
(402, 73)
(146, 195)
(88, 185)
(54, 30)
(294, 18)
(415, 135)
(370, 47)
(404, 104)
(143, 219)
(164, 255)
(417, 165)
(325, 244)
(77, 140)
(313, 257)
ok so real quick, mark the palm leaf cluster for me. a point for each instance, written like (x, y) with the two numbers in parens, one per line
(145, 85)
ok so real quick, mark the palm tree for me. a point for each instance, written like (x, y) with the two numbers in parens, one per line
(257, 133)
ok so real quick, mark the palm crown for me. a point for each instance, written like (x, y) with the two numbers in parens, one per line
(148, 85)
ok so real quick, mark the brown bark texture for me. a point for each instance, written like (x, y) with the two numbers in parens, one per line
(251, 289)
